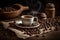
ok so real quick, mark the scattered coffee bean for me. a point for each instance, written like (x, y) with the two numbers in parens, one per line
(37, 35)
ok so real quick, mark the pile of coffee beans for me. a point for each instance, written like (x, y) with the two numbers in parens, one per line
(28, 31)
(45, 27)
(7, 9)
(32, 31)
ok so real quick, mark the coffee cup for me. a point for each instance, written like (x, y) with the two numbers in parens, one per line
(28, 19)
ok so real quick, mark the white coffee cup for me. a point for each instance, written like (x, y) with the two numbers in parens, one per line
(28, 19)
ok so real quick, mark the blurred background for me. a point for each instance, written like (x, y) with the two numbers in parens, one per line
(31, 4)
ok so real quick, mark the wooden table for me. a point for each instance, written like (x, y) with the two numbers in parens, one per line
(9, 35)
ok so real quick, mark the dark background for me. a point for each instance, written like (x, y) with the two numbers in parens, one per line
(24, 2)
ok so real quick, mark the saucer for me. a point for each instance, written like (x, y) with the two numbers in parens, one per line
(34, 25)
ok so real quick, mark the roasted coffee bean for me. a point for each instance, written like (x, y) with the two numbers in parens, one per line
(56, 29)
(37, 35)
(43, 35)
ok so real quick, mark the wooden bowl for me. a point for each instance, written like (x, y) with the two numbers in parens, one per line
(19, 8)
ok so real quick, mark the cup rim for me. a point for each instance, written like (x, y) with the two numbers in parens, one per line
(26, 15)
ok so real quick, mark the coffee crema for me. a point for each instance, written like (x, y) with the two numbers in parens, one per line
(27, 16)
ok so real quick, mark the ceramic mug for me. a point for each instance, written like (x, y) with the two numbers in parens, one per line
(28, 19)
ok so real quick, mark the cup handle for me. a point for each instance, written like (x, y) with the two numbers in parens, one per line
(36, 19)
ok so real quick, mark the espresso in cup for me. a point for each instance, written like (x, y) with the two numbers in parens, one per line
(27, 16)
(28, 19)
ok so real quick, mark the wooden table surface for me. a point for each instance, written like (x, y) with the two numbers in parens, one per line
(6, 34)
